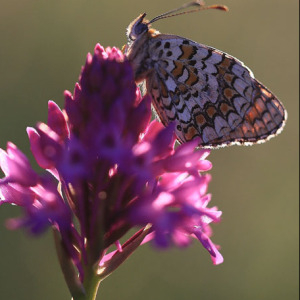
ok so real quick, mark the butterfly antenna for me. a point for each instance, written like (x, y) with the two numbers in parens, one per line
(200, 4)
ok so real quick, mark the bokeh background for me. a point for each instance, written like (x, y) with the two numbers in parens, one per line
(43, 45)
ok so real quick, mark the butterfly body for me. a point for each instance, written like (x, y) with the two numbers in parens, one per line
(209, 94)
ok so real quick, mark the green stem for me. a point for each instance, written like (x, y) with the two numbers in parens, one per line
(91, 285)
(79, 291)
(67, 267)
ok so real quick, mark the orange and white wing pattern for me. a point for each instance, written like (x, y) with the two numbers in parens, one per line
(209, 94)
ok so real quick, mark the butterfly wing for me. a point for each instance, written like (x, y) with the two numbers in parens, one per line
(210, 95)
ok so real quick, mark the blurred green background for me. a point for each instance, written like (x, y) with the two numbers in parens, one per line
(44, 45)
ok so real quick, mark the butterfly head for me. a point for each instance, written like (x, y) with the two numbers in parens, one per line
(137, 27)
(140, 27)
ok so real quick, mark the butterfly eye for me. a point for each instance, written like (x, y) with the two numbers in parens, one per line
(142, 27)
(138, 30)
(137, 27)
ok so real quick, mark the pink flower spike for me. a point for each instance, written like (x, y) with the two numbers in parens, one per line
(114, 170)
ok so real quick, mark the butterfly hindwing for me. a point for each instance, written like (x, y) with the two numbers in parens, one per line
(210, 94)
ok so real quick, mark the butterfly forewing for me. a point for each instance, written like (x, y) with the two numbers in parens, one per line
(209, 94)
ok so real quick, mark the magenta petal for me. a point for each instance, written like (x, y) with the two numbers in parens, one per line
(216, 256)
(187, 148)
(16, 194)
(16, 166)
(190, 187)
(164, 141)
(141, 116)
(50, 145)
(204, 165)
(185, 158)
(71, 106)
(36, 149)
(153, 129)
(57, 121)
(3, 162)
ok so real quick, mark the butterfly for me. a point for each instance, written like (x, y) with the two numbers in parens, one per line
(209, 94)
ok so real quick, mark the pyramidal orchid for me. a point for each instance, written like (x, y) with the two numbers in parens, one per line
(109, 170)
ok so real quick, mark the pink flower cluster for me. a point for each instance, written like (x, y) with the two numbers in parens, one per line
(111, 170)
